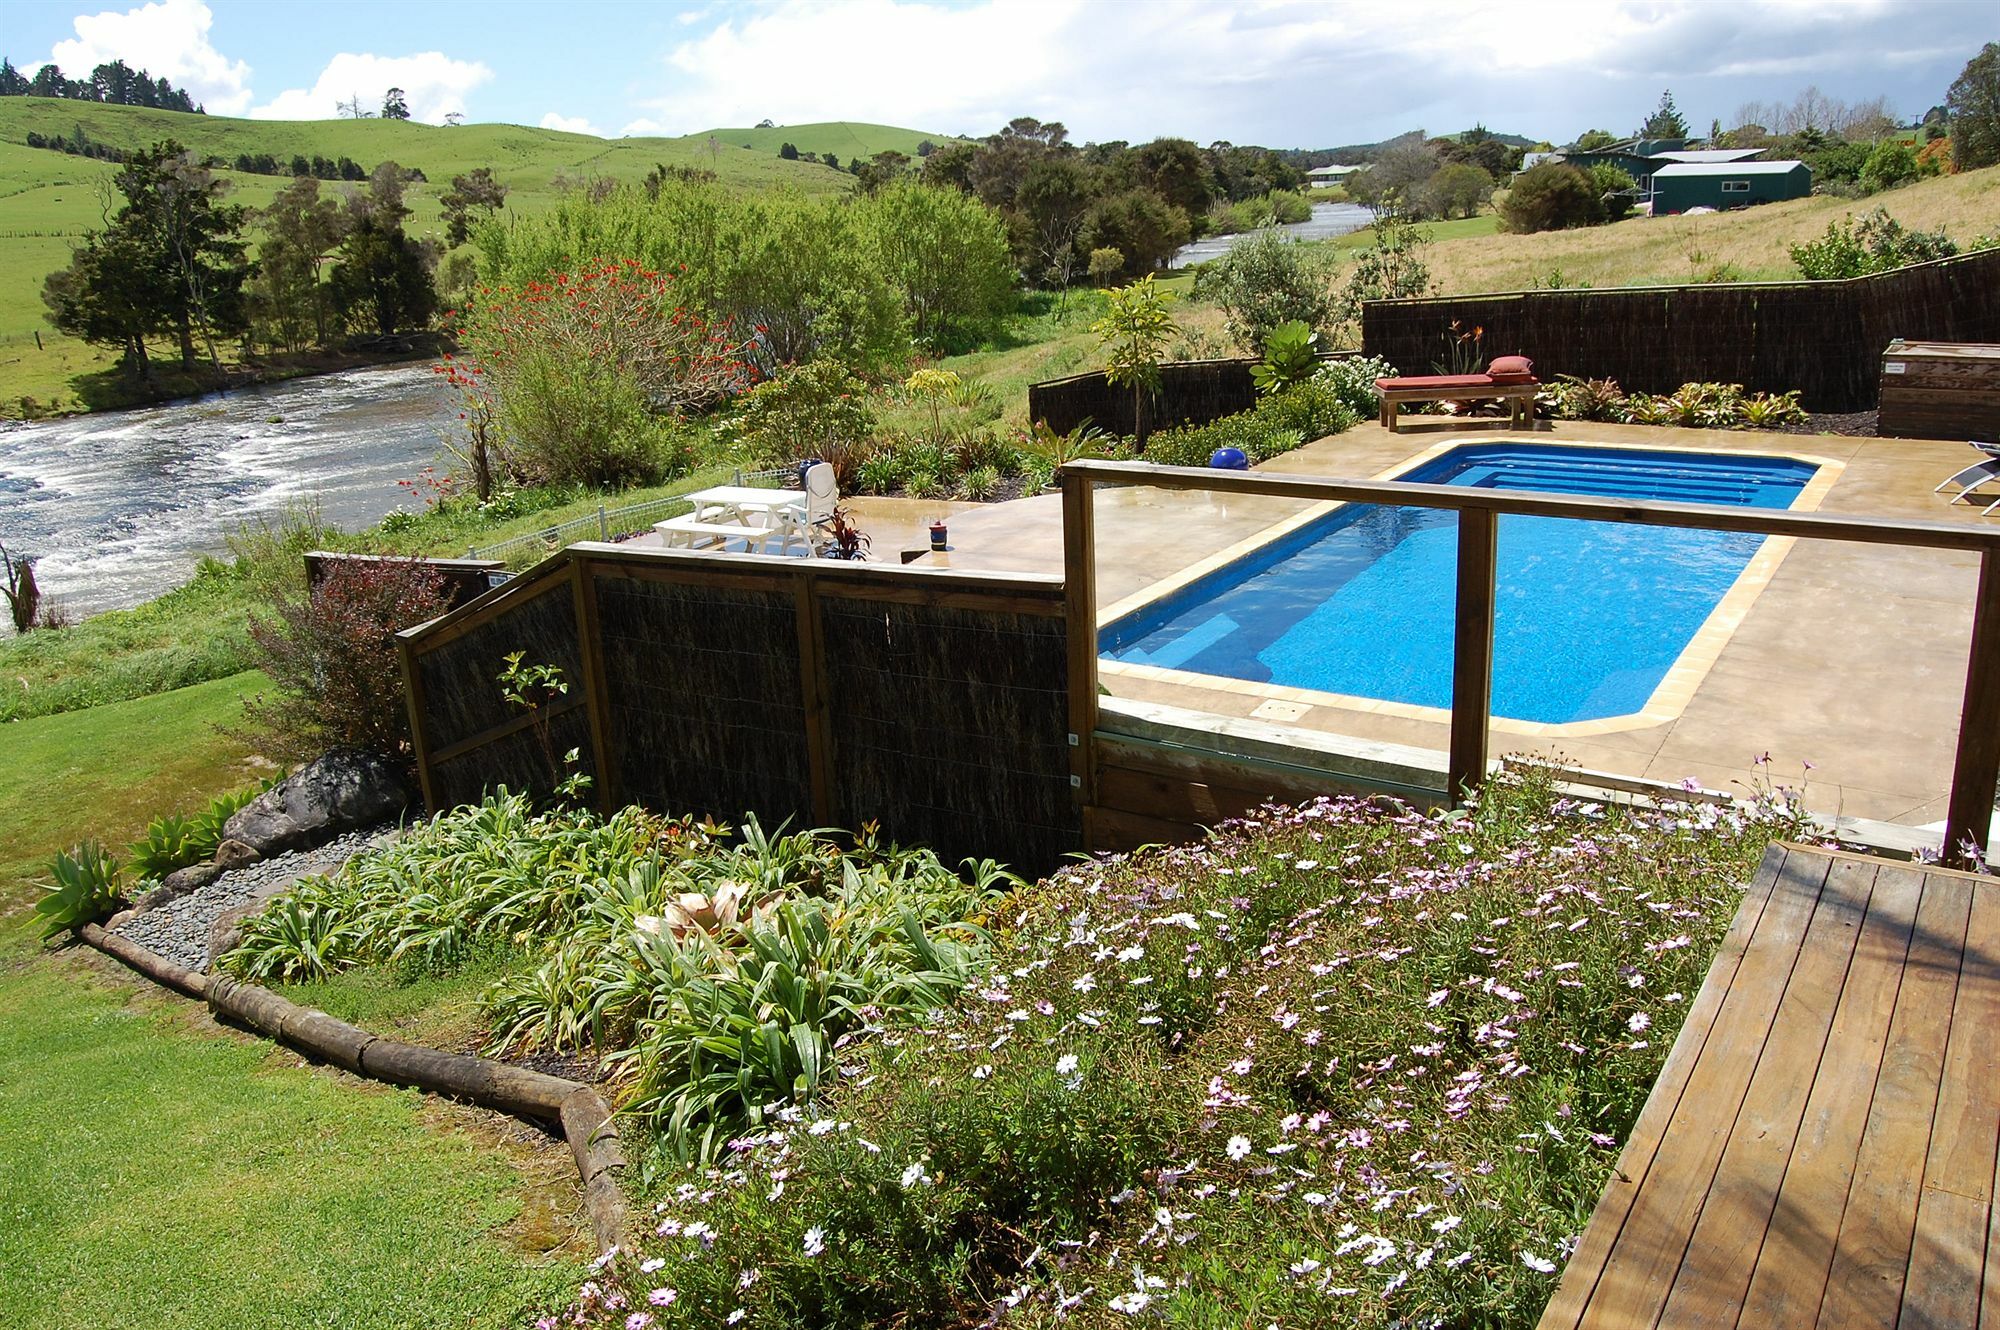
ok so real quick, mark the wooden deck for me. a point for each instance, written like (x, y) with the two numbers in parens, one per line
(1820, 1147)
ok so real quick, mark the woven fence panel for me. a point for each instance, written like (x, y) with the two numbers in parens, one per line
(950, 726)
(461, 679)
(519, 761)
(704, 698)
(1824, 339)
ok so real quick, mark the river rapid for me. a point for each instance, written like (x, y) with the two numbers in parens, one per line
(119, 507)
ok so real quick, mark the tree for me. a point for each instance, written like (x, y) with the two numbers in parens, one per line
(172, 260)
(1458, 190)
(395, 106)
(1551, 197)
(1593, 139)
(788, 151)
(472, 197)
(1393, 185)
(301, 233)
(1892, 163)
(384, 280)
(1267, 281)
(1139, 224)
(946, 253)
(1178, 172)
(880, 170)
(1973, 104)
(1134, 333)
(1666, 121)
(1617, 192)
(1052, 203)
(351, 109)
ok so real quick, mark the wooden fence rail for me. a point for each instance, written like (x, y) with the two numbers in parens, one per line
(1976, 767)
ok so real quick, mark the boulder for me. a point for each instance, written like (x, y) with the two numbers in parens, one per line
(181, 882)
(343, 790)
(235, 854)
(227, 931)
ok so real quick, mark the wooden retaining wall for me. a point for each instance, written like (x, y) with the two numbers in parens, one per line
(1823, 338)
(825, 694)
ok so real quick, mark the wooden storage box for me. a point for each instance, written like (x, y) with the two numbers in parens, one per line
(1940, 390)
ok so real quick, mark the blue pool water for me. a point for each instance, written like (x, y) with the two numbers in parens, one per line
(1590, 615)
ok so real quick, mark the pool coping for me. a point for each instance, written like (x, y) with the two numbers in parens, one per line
(1669, 698)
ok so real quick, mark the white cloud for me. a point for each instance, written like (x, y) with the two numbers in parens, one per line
(571, 124)
(168, 40)
(1280, 72)
(433, 83)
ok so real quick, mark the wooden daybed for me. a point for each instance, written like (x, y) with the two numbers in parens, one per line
(1509, 379)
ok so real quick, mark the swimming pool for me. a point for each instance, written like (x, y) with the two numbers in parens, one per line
(1589, 619)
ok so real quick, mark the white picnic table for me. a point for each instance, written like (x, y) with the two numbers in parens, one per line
(741, 512)
(749, 505)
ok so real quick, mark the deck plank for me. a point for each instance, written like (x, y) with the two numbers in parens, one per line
(1871, 1257)
(1586, 1263)
(1790, 1279)
(1723, 1251)
(1823, 1146)
(1954, 1213)
(1642, 1263)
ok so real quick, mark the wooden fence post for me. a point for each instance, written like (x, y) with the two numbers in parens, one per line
(413, 698)
(1472, 652)
(597, 706)
(816, 688)
(1080, 612)
(1975, 772)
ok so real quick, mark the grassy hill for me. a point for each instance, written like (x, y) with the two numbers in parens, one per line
(48, 199)
(848, 138)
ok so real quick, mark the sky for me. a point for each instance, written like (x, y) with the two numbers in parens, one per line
(1281, 73)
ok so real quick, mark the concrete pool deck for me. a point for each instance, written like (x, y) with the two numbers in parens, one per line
(1849, 657)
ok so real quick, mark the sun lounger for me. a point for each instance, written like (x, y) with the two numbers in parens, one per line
(1508, 380)
(1972, 477)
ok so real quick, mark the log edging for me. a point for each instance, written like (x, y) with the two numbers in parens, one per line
(577, 1109)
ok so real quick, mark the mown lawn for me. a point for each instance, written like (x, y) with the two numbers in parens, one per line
(156, 1169)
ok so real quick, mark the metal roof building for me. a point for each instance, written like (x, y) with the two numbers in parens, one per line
(1720, 185)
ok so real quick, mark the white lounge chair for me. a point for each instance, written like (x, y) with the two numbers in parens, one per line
(1972, 477)
(822, 497)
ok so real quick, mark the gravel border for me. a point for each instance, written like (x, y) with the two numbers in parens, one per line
(178, 931)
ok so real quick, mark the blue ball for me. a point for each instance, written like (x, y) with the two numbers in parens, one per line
(1229, 459)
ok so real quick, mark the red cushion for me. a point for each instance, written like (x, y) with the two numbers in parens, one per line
(1437, 381)
(1520, 365)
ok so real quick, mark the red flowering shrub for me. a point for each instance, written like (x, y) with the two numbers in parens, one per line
(586, 373)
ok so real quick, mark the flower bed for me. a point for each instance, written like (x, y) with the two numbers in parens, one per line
(1348, 1064)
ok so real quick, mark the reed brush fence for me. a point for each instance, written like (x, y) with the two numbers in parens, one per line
(1824, 339)
(1976, 764)
(1190, 392)
(811, 692)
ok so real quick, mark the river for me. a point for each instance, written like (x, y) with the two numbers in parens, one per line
(1328, 220)
(118, 507)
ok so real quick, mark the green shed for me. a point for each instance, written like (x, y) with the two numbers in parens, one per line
(1685, 185)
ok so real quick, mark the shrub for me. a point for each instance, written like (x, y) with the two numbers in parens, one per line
(583, 371)
(85, 887)
(1551, 197)
(1393, 268)
(1267, 281)
(1290, 356)
(812, 410)
(1346, 1046)
(1571, 398)
(1617, 191)
(716, 975)
(1876, 242)
(1892, 163)
(331, 655)
(1352, 380)
(1277, 424)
